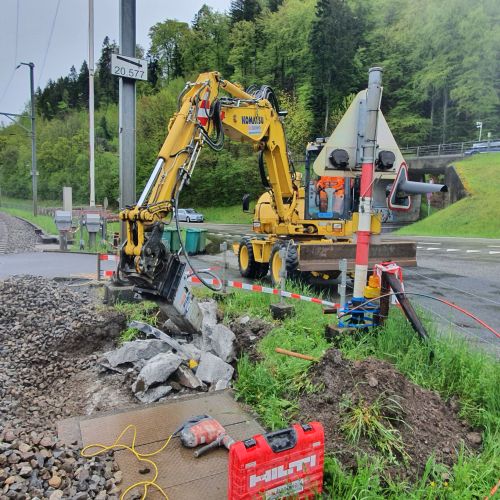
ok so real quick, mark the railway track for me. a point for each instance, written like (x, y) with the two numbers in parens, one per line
(4, 235)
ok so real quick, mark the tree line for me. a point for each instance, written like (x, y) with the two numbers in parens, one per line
(441, 65)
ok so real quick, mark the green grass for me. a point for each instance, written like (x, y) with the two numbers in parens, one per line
(272, 388)
(478, 215)
(145, 311)
(227, 215)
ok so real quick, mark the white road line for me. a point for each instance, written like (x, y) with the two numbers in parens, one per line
(433, 248)
(419, 248)
(426, 243)
(492, 252)
(473, 251)
(493, 246)
(453, 250)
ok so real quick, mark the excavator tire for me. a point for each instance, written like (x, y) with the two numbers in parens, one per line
(249, 268)
(292, 262)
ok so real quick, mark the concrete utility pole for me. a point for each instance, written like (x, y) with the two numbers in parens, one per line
(91, 104)
(127, 109)
(34, 173)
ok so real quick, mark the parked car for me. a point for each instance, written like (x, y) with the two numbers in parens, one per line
(190, 215)
(483, 147)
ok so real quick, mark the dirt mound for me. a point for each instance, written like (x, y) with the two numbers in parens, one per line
(249, 331)
(49, 340)
(368, 406)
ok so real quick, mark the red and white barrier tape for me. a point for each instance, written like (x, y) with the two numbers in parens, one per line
(104, 256)
(266, 289)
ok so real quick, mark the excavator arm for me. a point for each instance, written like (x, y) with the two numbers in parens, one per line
(204, 116)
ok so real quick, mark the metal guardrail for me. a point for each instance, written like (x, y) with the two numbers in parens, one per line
(453, 148)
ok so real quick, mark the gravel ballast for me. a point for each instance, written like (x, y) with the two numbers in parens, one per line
(16, 235)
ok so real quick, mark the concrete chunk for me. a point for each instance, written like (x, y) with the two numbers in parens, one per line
(209, 312)
(130, 352)
(156, 371)
(193, 351)
(153, 394)
(212, 369)
(222, 339)
(187, 378)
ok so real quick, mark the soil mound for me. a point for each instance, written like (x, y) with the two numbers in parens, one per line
(248, 332)
(395, 419)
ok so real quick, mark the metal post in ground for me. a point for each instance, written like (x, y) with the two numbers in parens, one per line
(127, 110)
(223, 248)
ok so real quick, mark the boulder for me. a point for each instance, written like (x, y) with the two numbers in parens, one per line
(131, 352)
(157, 370)
(222, 339)
(212, 369)
(187, 378)
(153, 394)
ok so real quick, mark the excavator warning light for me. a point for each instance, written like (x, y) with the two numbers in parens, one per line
(385, 160)
(339, 158)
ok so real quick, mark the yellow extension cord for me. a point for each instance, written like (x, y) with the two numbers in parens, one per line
(142, 457)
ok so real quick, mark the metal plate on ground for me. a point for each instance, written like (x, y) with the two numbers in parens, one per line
(180, 474)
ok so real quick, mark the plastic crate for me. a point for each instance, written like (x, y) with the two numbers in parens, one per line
(281, 464)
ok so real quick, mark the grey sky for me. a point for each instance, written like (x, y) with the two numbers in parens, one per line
(69, 44)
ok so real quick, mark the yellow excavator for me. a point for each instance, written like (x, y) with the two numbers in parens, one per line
(289, 213)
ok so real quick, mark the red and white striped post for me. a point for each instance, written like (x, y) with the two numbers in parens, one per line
(373, 97)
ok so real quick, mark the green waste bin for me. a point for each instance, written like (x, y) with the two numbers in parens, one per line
(166, 238)
(192, 241)
(202, 242)
(175, 243)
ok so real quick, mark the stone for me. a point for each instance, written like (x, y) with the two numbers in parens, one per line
(131, 352)
(244, 320)
(46, 442)
(192, 351)
(187, 378)
(55, 481)
(153, 394)
(118, 476)
(212, 369)
(9, 436)
(172, 329)
(220, 385)
(372, 381)
(209, 313)
(56, 495)
(475, 438)
(222, 339)
(25, 471)
(23, 447)
(156, 371)
(281, 310)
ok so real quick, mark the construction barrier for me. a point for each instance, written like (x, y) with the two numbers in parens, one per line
(265, 289)
(106, 265)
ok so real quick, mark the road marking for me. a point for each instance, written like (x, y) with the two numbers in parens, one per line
(492, 252)
(493, 246)
(453, 250)
(425, 243)
(433, 248)
(419, 248)
(473, 251)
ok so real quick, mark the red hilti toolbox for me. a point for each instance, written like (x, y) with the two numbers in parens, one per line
(285, 463)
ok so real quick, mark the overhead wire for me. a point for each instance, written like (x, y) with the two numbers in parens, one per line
(40, 74)
(9, 83)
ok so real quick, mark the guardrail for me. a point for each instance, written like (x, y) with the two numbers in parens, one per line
(452, 148)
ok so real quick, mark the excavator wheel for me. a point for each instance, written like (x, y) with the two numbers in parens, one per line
(249, 268)
(292, 262)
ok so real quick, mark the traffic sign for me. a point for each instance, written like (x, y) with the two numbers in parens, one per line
(129, 67)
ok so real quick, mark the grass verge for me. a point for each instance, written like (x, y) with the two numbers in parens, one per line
(44, 221)
(145, 311)
(475, 216)
(227, 215)
(272, 387)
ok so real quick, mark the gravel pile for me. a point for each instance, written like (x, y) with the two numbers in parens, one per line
(35, 466)
(16, 236)
(50, 338)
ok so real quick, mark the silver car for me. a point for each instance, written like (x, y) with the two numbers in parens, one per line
(189, 215)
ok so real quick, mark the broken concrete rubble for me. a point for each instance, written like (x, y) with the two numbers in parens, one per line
(131, 352)
(212, 369)
(153, 394)
(187, 378)
(222, 340)
(157, 370)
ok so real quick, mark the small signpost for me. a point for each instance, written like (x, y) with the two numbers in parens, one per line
(129, 67)
(429, 197)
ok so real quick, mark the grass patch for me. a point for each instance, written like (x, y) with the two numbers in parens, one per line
(475, 216)
(272, 387)
(227, 215)
(145, 311)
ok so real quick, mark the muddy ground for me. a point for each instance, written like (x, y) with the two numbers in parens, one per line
(426, 424)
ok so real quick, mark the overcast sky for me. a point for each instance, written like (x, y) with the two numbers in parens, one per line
(69, 42)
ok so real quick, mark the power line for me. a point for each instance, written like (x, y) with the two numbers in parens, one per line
(48, 43)
(4, 93)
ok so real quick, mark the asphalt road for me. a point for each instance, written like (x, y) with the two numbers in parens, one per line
(463, 271)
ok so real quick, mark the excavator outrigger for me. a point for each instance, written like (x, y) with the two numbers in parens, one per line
(208, 110)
